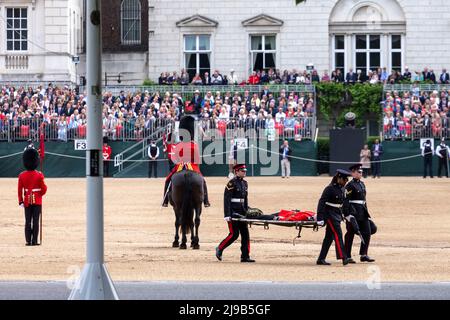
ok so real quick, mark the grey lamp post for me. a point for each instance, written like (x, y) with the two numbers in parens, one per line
(94, 282)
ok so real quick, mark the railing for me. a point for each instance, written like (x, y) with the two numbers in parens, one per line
(297, 128)
(188, 91)
(56, 130)
(416, 87)
(137, 150)
(413, 130)
(35, 84)
(16, 62)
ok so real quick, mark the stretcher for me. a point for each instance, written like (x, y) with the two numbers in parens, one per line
(299, 225)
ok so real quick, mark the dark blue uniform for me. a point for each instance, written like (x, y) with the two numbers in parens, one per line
(355, 205)
(329, 210)
(236, 202)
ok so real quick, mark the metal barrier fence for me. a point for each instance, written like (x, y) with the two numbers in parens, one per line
(55, 130)
(188, 91)
(417, 130)
(415, 87)
(298, 128)
(35, 84)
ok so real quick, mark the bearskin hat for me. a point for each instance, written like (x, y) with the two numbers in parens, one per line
(187, 123)
(30, 159)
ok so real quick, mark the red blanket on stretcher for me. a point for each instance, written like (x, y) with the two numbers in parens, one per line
(296, 215)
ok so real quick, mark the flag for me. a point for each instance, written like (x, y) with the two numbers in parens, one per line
(164, 141)
(41, 145)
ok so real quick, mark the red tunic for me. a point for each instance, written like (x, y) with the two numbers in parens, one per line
(169, 151)
(185, 155)
(31, 188)
(186, 152)
(107, 152)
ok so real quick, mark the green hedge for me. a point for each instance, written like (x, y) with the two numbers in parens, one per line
(336, 99)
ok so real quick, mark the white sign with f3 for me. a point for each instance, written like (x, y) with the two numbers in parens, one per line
(81, 145)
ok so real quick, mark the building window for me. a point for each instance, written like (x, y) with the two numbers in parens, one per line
(131, 22)
(197, 54)
(367, 52)
(339, 53)
(263, 51)
(396, 52)
(16, 29)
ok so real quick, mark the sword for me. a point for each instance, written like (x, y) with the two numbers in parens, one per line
(447, 160)
(165, 196)
(360, 236)
(355, 227)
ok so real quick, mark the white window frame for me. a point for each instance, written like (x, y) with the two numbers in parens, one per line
(392, 50)
(14, 30)
(137, 23)
(263, 50)
(368, 51)
(197, 50)
(334, 51)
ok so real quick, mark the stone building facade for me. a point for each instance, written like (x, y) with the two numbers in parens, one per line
(328, 34)
(39, 39)
(142, 38)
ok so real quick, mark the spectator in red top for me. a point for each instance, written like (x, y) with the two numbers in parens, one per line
(253, 79)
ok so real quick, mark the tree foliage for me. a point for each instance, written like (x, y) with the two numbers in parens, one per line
(336, 99)
(330, 99)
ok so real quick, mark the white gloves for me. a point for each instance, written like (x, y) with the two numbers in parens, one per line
(320, 223)
(227, 219)
(349, 218)
(21, 205)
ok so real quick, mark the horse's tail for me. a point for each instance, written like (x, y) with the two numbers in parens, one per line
(188, 210)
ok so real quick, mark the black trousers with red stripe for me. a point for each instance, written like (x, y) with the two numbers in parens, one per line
(237, 228)
(32, 214)
(333, 233)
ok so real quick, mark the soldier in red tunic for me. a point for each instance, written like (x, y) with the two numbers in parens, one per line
(186, 156)
(31, 188)
(106, 157)
(168, 146)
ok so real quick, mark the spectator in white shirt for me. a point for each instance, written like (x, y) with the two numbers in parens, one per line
(280, 116)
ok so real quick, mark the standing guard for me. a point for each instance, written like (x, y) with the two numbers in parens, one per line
(31, 188)
(443, 152)
(427, 154)
(356, 215)
(106, 157)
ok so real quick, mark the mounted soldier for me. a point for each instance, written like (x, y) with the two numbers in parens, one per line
(185, 156)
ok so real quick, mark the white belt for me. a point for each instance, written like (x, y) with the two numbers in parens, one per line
(33, 190)
(237, 200)
(362, 202)
(335, 205)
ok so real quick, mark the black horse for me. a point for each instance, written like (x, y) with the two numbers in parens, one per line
(186, 197)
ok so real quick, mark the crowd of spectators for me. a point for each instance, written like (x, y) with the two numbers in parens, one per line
(415, 114)
(286, 77)
(61, 111)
